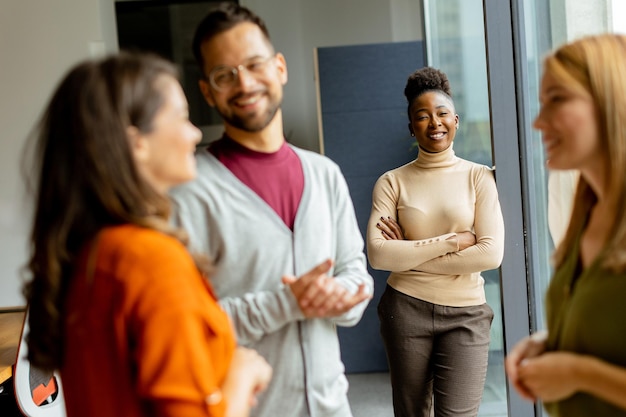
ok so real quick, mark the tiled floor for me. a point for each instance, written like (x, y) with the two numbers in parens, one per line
(370, 395)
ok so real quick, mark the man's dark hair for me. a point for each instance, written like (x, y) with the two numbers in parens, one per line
(221, 18)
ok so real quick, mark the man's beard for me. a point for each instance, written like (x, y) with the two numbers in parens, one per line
(250, 124)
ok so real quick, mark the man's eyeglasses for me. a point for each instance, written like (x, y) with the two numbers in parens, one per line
(224, 77)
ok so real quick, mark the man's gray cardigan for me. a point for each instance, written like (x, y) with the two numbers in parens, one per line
(252, 249)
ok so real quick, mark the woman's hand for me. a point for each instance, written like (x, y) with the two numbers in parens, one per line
(551, 376)
(465, 239)
(390, 229)
(526, 349)
(248, 375)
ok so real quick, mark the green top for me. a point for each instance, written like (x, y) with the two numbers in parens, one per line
(586, 314)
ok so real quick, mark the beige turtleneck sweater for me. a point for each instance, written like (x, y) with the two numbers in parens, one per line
(433, 198)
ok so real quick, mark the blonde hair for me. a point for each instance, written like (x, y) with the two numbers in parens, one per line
(597, 65)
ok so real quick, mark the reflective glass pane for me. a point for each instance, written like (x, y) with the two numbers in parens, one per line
(549, 194)
(538, 40)
(456, 44)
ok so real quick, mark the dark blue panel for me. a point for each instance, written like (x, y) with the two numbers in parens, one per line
(368, 142)
(365, 130)
(353, 77)
(361, 346)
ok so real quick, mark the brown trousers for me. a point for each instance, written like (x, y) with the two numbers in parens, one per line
(437, 355)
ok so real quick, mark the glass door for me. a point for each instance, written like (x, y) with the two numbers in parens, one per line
(455, 42)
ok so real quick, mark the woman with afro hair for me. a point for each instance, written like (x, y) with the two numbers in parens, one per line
(435, 224)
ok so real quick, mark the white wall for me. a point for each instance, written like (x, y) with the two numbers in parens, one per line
(617, 15)
(38, 43)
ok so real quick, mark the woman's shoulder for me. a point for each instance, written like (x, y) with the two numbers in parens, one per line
(408, 169)
(476, 168)
(132, 243)
(147, 267)
(139, 256)
(396, 178)
(474, 164)
(127, 233)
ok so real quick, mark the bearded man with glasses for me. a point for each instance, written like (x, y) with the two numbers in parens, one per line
(277, 221)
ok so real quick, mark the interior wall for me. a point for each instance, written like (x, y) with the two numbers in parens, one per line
(37, 46)
(617, 11)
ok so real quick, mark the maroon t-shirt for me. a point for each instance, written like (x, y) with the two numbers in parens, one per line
(276, 177)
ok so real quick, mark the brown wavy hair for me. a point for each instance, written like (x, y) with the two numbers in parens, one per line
(86, 179)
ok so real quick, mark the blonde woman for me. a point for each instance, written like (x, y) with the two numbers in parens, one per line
(578, 367)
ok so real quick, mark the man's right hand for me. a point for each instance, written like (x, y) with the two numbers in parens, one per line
(321, 296)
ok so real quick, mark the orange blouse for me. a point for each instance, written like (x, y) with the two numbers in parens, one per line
(143, 334)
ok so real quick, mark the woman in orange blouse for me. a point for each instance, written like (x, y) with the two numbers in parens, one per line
(116, 301)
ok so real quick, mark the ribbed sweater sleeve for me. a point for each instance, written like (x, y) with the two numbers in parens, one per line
(488, 251)
(399, 255)
(433, 199)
